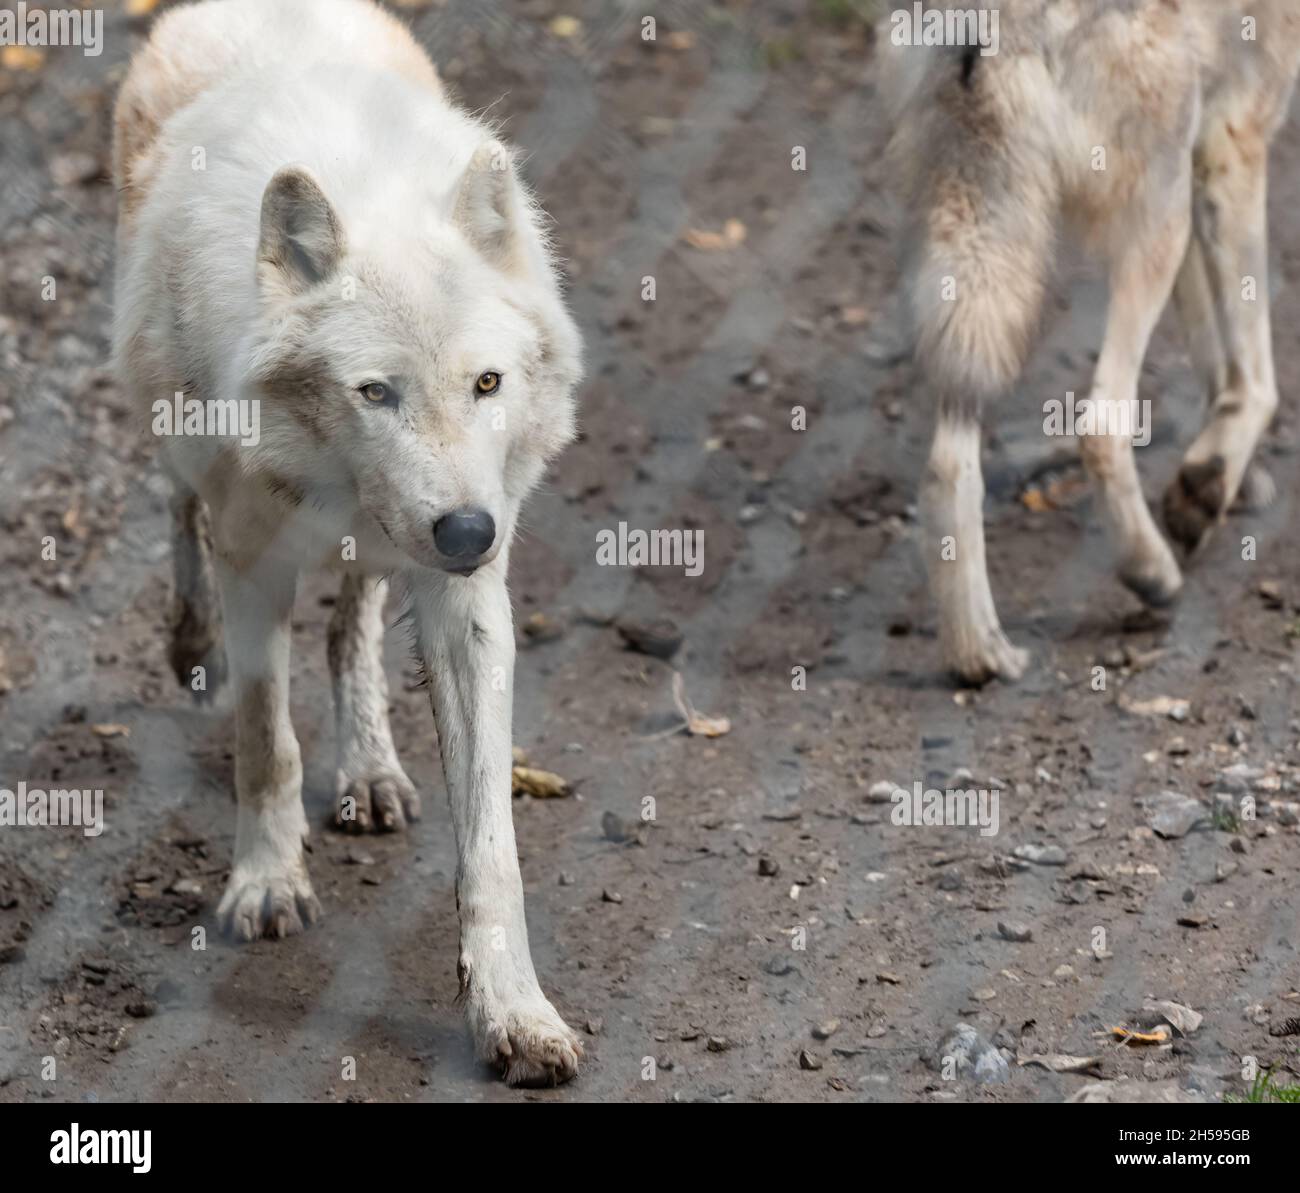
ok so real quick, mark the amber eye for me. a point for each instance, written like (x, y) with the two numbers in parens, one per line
(487, 383)
(376, 392)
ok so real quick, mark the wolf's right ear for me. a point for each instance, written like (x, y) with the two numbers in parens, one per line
(301, 241)
(488, 205)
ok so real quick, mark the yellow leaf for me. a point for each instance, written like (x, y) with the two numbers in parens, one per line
(140, 8)
(1161, 1035)
(110, 730)
(563, 26)
(733, 233)
(21, 58)
(540, 784)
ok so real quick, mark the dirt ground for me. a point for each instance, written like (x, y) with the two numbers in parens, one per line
(769, 935)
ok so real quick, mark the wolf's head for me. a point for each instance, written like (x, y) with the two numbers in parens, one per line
(413, 355)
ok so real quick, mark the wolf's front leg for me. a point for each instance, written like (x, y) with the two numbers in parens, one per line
(269, 892)
(466, 640)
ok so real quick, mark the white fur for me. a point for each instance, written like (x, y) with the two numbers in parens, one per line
(465, 634)
(952, 500)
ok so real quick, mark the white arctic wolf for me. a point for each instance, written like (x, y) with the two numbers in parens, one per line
(308, 224)
(1139, 129)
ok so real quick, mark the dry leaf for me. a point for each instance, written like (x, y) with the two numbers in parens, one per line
(540, 784)
(1034, 501)
(109, 730)
(733, 233)
(71, 522)
(1058, 1062)
(853, 316)
(1157, 1035)
(563, 26)
(697, 725)
(140, 8)
(542, 627)
(681, 39)
(21, 58)
(1183, 1019)
(1158, 706)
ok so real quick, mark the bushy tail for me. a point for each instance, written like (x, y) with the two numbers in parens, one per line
(982, 196)
(976, 290)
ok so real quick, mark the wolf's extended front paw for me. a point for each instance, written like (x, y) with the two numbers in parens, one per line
(382, 799)
(980, 657)
(521, 1036)
(1196, 501)
(267, 900)
(1156, 577)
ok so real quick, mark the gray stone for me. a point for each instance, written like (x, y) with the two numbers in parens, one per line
(1172, 815)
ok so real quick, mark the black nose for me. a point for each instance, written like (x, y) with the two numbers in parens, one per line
(464, 532)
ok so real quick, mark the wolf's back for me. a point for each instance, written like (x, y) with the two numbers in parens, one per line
(210, 44)
(971, 162)
(990, 149)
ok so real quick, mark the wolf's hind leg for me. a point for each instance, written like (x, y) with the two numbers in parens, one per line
(371, 788)
(952, 503)
(1231, 239)
(195, 652)
(1142, 272)
(977, 296)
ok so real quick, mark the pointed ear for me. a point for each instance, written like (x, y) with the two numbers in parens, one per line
(301, 241)
(488, 204)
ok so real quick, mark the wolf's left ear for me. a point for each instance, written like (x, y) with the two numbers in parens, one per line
(301, 241)
(488, 205)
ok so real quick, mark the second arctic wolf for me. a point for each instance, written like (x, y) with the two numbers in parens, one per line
(1141, 129)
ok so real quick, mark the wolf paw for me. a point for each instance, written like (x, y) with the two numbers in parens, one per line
(1156, 578)
(987, 655)
(524, 1039)
(1195, 501)
(384, 801)
(267, 901)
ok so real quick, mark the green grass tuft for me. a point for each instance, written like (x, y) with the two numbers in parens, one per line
(1265, 1089)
